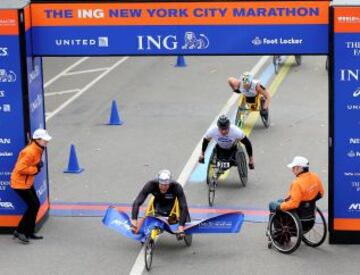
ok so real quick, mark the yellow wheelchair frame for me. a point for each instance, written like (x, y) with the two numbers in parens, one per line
(245, 107)
(173, 217)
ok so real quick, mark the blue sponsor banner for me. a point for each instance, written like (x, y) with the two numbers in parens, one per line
(37, 118)
(12, 138)
(347, 125)
(173, 40)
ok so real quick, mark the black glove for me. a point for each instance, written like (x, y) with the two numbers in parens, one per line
(201, 159)
(39, 166)
(237, 91)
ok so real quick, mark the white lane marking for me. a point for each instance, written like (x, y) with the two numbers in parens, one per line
(83, 90)
(63, 92)
(51, 81)
(86, 71)
(139, 264)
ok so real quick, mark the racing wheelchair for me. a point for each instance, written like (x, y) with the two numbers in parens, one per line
(218, 165)
(277, 62)
(155, 231)
(286, 229)
(248, 105)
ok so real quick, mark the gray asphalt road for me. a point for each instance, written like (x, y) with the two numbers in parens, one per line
(166, 110)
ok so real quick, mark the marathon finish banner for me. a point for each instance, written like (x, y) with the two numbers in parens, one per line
(171, 28)
(12, 138)
(346, 75)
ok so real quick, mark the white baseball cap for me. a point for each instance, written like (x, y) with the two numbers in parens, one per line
(299, 161)
(41, 134)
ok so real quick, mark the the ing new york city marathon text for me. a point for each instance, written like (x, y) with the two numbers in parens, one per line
(182, 12)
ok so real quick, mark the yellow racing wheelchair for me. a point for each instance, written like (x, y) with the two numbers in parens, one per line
(172, 219)
(248, 105)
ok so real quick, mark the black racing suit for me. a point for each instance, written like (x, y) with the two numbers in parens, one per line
(163, 203)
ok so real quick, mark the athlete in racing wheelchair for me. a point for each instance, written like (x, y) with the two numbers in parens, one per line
(227, 148)
(168, 201)
(296, 217)
(255, 98)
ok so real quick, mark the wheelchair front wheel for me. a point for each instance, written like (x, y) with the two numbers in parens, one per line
(239, 118)
(285, 231)
(188, 240)
(317, 234)
(149, 249)
(211, 191)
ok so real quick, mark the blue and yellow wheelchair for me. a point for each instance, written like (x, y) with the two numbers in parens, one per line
(248, 105)
(286, 229)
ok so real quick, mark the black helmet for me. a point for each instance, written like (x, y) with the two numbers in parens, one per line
(223, 122)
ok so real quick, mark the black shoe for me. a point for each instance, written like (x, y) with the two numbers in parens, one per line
(36, 237)
(21, 237)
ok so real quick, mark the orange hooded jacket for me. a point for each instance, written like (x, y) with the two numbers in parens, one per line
(305, 187)
(22, 177)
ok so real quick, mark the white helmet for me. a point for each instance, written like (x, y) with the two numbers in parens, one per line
(247, 77)
(164, 176)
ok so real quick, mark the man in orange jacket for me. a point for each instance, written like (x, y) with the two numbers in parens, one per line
(306, 187)
(22, 178)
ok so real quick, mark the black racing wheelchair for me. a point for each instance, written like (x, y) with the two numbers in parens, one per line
(220, 163)
(286, 229)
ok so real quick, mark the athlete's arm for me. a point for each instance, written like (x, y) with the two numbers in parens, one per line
(263, 91)
(147, 189)
(204, 145)
(184, 211)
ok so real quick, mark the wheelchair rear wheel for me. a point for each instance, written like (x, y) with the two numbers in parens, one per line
(317, 234)
(285, 232)
(211, 168)
(265, 117)
(242, 165)
(149, 248)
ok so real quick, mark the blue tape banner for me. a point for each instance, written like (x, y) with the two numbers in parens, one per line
(223, 223)
(347, 125)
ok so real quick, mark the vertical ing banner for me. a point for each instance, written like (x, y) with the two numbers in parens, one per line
(11, 112)
(346, 75)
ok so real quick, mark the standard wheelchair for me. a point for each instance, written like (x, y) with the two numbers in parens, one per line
(173, 218)
(286, 229)
(248, 105)
(218, 166)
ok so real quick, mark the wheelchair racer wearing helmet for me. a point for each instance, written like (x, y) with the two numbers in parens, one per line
(226, 137)
(165, 192)
(250, 88)
(307, 186)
